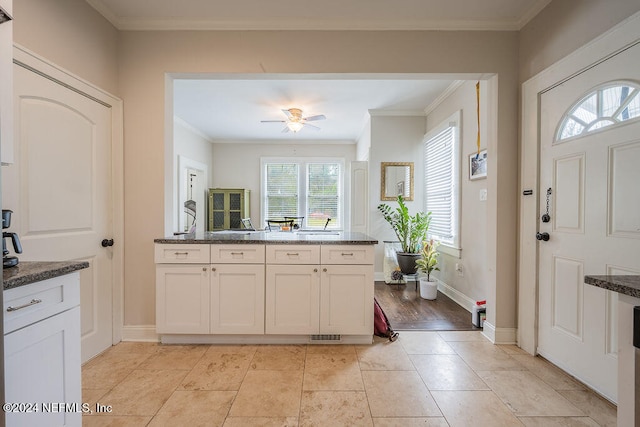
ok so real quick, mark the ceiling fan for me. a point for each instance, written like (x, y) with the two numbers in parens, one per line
(295, 121)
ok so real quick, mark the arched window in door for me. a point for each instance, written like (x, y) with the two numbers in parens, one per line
(607, 105)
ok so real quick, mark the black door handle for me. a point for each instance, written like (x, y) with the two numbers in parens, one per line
(106, 242)
(542, 236)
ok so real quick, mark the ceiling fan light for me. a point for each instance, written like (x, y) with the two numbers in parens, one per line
(294, 126)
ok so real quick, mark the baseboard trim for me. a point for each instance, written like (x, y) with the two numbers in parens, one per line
(144, 333)
(499, 335)
(461, 299)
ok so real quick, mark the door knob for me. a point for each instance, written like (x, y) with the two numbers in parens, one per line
(542, 236)
(106, 242)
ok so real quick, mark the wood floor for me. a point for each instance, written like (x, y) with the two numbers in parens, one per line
(407, 311)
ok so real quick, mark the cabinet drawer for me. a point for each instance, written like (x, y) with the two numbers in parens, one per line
(31, 303)
(346, 254)
(182, 254)
(293, 254)
(237, 254)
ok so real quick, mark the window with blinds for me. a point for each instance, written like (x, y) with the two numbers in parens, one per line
(441, 181)
(323, 194)
(281, 190)
(308, 188)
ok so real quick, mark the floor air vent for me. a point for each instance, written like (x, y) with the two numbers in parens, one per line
(325, 338)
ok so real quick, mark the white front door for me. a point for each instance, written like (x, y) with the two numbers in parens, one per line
(60, 191)
(594, 226)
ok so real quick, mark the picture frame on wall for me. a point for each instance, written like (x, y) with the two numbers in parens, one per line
(478, 165)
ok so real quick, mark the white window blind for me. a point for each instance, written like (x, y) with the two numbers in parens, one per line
(440, 184)
(281, 190)
(323, 194)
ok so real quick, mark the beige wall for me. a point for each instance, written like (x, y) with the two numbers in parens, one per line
(565, 25)
(72, 35)
(474, 282)
(145, 57)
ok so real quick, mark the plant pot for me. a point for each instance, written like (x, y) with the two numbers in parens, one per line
(407, 262)
(428, 289)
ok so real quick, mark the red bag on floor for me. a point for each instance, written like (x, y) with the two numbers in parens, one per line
(381, 326)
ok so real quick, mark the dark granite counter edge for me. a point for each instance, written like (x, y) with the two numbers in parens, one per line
(623, 284)
(28, 272)
(266, 242)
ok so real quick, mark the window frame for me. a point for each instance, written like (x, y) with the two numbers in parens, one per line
(303, 187)
(588, 128)
(454, 121)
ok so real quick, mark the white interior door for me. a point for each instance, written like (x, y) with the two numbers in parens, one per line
(60, 191)
(594, 226)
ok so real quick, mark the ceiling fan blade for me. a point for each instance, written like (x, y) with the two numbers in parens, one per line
(285, 129)
(315, 118)
(272, 121)
(307, 125)
(287, 113)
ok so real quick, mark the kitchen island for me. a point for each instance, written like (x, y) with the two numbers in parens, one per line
(628, 289)
(258, 287)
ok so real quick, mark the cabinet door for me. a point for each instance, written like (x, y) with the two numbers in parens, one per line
(292, 299)
(237, 299)
(236, 202)
(42, 365)
(182, 298)
(346, 299)
(217, 207)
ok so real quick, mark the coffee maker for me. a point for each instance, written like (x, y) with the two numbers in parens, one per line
(9, 261)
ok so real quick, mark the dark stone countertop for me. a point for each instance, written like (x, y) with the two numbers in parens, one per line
(27, 272)
(627, 285)
(272, 237)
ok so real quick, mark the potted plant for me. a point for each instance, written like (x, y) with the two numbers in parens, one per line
(410, 230)
(427, 263)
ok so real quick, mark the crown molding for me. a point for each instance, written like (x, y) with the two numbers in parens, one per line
(396, 113)
(192, 129)
(444, 95)
(532, 12)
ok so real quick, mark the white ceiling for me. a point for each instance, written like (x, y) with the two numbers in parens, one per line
(230, 107)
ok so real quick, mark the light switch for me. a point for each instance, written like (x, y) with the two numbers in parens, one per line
(483, 194)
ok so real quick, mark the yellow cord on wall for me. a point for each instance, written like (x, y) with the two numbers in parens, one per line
(478, 111)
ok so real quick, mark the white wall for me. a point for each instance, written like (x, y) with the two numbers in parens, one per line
(393, 139)
(190, 145)
(474, 283)
(238, 165)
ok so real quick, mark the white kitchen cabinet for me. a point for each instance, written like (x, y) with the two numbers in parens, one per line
(237, 298)
(346, 299)
(6, 85)
(223, 296)
(42, 352)
(182, 298)
(325, 289)
(292, 299)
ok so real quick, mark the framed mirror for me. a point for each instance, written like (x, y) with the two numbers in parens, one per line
(396, 178)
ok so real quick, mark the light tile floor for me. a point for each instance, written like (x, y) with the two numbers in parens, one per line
(422, 379)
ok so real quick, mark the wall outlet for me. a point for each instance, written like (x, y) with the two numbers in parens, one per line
(483, 194)
(459, 269)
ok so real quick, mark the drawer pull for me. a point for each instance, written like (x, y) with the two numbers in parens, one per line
(237, 253)
(33, 302)
(324, 269)
(347, 253)
(293, 254)
(315, 270)
(181, 253)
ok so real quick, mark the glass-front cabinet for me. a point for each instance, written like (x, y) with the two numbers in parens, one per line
(227, 207)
